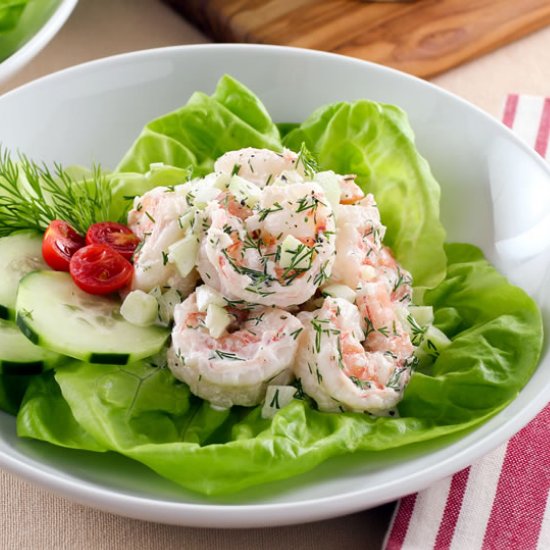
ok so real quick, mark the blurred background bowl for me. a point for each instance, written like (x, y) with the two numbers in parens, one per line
(39, 22)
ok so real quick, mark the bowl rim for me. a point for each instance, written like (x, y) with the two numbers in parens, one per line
(471, 448)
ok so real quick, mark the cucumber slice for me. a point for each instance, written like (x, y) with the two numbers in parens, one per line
(18, 355)
(20, 254)
(54, 313)
(12, 391)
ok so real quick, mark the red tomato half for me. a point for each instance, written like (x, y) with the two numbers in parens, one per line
(117, 236)
(98, 269)
(59, 243)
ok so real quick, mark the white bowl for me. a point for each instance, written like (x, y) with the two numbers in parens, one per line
(496, 194)
(39, 23)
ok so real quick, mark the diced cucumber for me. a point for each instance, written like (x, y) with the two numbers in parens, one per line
(20, 254)
(432, 344)
(18, 355)
(217, 320)
(294, 254)
(340, 291)
(139, 308)
(205, 195)
(277, 397)
(206, 295)
(329, 182)
(244, 191)
(187, 220)
(183, 254)
(423, 315)
(55, 314)
(416, 321)
(166, 304)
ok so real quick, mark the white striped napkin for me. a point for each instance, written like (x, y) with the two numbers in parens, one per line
(501, 502)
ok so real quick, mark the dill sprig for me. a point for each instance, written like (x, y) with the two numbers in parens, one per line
(308, 161)
(32, 195)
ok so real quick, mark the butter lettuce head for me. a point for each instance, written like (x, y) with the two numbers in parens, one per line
(144, 413)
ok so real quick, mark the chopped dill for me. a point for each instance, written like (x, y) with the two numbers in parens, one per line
(264, 213)
(227, 355)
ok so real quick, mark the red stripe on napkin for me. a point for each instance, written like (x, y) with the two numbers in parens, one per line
(510, 109)
(541, 145)
(452, 509)
(519, 504)
(502, 502)
(401, 522)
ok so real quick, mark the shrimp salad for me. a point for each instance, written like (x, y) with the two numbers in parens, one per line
(229, 310)
(275, 276)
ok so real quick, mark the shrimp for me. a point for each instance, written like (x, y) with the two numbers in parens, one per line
(337, 371)
(235, 369)
(259, 166)
(158, 206)
(276, 256)
(385, 319)
(350, 192)
(360, 254)
(156, 218)
(151, 267)
(359, 237)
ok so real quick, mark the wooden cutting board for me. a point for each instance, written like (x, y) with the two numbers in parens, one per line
(423, 37)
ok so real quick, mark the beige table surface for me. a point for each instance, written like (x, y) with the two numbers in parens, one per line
(31, 517)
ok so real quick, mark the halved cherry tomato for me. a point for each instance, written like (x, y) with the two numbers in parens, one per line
(98, 269)
(59, 243)
(117, 236)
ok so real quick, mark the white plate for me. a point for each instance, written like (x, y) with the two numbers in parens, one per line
(496, 194)
(40, 22)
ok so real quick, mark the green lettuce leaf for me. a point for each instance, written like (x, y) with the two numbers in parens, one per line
(144, 413)
(497, 339)
(45, 415)
(205, 128)
(10, 13)
(376, 142)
